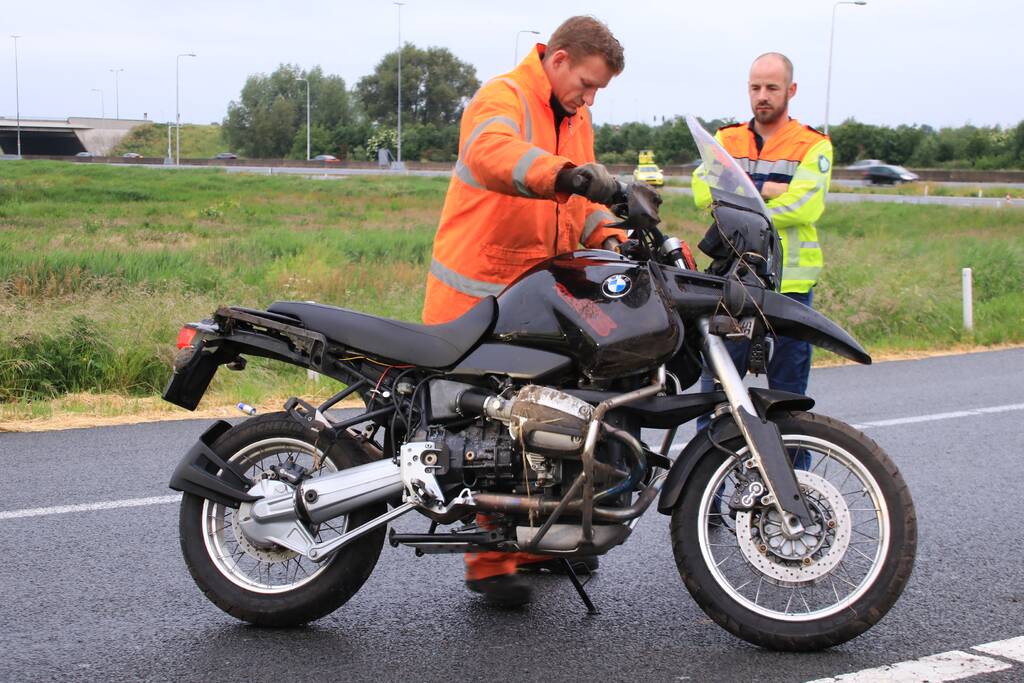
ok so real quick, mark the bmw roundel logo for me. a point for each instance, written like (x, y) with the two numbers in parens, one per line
(616, 286)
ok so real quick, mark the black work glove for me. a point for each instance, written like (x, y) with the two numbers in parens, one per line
(593, 181)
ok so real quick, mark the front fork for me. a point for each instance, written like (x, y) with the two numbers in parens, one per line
(764, 441)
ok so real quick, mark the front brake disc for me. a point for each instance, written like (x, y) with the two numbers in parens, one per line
(817, 552)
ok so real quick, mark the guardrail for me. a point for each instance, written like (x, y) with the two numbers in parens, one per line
(934, 175)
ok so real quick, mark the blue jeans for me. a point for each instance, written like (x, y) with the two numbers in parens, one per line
(788, 370)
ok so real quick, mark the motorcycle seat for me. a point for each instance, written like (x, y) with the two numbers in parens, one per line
(431, 346)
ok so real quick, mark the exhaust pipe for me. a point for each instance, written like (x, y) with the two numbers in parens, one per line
(333, 495)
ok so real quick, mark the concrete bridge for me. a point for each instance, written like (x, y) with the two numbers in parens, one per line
(64, 137)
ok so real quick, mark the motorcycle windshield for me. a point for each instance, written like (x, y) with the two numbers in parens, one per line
(729, 183)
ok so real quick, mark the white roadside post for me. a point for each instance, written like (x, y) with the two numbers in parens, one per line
(968, 300)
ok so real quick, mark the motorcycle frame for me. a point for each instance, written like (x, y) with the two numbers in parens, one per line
(271, 335)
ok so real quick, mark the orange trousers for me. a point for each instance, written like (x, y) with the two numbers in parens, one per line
(490, 563)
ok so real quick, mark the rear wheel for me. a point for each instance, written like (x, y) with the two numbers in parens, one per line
(276, 586)
(818, 590)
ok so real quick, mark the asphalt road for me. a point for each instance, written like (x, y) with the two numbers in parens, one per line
(843, 197)
(104, 594)
(854, 197)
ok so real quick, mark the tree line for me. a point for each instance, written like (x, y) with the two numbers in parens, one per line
(269, 121)
(269, 118)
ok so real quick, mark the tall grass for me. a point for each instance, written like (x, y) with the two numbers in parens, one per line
(100, 265)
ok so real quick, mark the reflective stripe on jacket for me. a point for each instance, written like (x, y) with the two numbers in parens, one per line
(501, 215)
(800, 157)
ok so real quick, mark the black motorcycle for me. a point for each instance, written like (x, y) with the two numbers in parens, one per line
(529, 408)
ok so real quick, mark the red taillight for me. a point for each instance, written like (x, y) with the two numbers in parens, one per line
(185, 336)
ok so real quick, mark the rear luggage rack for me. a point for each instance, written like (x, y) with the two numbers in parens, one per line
(310, 343)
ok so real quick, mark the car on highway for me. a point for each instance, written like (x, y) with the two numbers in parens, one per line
(131, 155)
(225, 155)
(328, 158)
(650, 174)
(85, 154)
(864, 163)
(887, 174)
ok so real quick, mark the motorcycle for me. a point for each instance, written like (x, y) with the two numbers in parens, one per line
(529, 409)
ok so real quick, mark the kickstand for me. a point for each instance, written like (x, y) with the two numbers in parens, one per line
(579, 586)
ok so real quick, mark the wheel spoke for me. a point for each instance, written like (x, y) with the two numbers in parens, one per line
(830, 580)
(730, 554)
(806, 605)
(264, 570)
(867, 557)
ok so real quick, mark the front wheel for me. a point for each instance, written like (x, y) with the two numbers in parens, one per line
(818, 590)
(274, 586)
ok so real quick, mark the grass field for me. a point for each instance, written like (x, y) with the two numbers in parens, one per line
(100, 265)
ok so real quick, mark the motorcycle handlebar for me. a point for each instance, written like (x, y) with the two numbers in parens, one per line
(581, 183)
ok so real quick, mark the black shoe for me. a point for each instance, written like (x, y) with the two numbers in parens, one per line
(503, 590)
(580, 565)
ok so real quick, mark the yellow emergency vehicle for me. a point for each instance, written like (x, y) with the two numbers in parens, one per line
(646, 170)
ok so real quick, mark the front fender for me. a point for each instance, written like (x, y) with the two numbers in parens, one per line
(766, 401)
(698, 294)
(792, 319)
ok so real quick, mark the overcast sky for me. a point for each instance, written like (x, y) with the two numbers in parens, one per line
(936, 62)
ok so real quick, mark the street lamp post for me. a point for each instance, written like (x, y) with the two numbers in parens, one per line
(177, 105)
(17, 92)
(103, 107)
(515, 59)
(831, 39)
(399, 142)
(307, 115)
(117, 96)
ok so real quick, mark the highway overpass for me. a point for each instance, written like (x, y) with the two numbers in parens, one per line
(64, 136)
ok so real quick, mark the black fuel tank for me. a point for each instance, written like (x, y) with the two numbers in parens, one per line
(605, 311)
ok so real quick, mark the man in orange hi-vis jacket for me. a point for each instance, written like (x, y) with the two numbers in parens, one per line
(525, 142)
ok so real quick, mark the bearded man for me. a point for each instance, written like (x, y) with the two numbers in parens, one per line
(791, 166)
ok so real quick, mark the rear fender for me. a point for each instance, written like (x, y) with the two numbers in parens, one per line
(766, 401)
(253, 333)
(205, 474)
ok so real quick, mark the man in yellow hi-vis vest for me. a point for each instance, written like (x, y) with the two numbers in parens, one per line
(791, 165)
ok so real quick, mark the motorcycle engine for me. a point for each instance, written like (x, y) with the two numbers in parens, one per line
(521, 443)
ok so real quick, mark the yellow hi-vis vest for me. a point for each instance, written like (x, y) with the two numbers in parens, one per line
(801, 157)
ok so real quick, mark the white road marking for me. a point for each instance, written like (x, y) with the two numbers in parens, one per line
(678, 446)
(1010, 649)
(941, 416)
(88, 507)
(945, 666)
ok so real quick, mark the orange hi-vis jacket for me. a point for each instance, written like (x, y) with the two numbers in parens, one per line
(501, 215)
